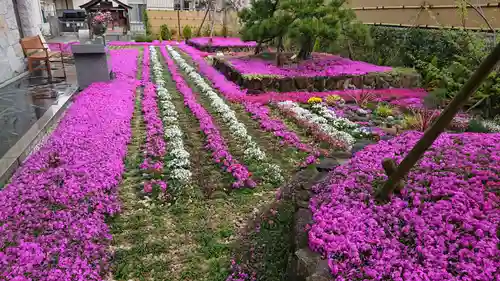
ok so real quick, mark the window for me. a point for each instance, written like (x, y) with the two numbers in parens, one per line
(137, 12)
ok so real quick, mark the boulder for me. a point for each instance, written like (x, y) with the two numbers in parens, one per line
(327, 164)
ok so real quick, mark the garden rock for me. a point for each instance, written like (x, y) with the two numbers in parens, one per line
(302, 218)
(307, 262)
(360, 145)
(390, 118)
(327, 164)
(361, 112)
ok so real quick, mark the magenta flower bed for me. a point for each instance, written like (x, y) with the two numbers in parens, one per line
(232, 92)
(347, 95)
(223, 42)
(61, 47)
(442, 227)
(324, 65)
(52, 215)
(214, 140)
(155, 148)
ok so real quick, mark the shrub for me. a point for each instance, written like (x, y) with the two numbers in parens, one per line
(384, 110)
(206, 31)
(147, 25)
(143, 38)
(187, 33)
(165, 32)
(477, 126)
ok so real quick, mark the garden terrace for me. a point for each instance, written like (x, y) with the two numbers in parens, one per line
(221, 44)
(259, 73)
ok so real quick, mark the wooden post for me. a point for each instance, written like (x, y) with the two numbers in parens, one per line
(178, 26)
(431, 134)
(198, 33)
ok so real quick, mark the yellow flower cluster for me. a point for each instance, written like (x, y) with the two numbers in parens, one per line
(334, 99)
(314, 100)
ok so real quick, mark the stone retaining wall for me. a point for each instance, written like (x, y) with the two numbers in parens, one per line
(215, 49)
(375, 80)
(306, 265)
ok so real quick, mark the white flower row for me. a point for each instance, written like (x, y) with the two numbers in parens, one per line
(307, 116)
(252, 152)
(340, 123)
(178, 158)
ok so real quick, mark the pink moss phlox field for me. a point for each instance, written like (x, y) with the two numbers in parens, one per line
(442, 227)
(62, 47)
(155, 148)
(223, 42)
(52, 215)
(234, 93)
(258, 112)
(214, 140)
(347, 95)
(230, 90)
(126, 43)
(323, 65)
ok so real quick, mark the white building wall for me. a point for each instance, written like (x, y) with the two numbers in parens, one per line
(11, 53)
(160, 4)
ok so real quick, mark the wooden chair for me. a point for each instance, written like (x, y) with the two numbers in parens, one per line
(37, 51)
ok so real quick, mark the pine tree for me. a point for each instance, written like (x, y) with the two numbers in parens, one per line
(304, 21)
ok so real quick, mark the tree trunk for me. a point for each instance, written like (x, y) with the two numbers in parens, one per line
(279, 58)
(258, 49)
(198, 33)
(224, 19)
(213, 22)
(306, 49)
(178, 26)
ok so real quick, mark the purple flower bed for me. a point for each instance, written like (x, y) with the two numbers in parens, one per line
(155, 148)
(324, 65)
(442, 227)
(52, 215)
(223, 42)
(214, 141)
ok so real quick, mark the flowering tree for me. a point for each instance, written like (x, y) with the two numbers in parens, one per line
(100, 21)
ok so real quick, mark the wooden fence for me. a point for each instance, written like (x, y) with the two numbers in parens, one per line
(470, 14)
(478, 15)
(191, 18)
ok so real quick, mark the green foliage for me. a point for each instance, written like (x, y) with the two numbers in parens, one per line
(444, 58)
(206, 31)
(147, 24)
(187, 33)
(165, 33)
(384, 110)
(303, 22)
(143, 38)
(477, 126)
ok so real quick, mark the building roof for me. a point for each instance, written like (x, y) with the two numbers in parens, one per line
(92, 3)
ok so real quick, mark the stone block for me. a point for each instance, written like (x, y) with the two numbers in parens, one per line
(307, 262)
(302, 218)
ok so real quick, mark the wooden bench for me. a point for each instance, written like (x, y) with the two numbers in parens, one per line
(37, 51)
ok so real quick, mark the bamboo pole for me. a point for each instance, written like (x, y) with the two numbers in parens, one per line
(431, 134)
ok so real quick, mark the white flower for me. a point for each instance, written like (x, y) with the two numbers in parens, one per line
(322, 123)
(252, 152)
